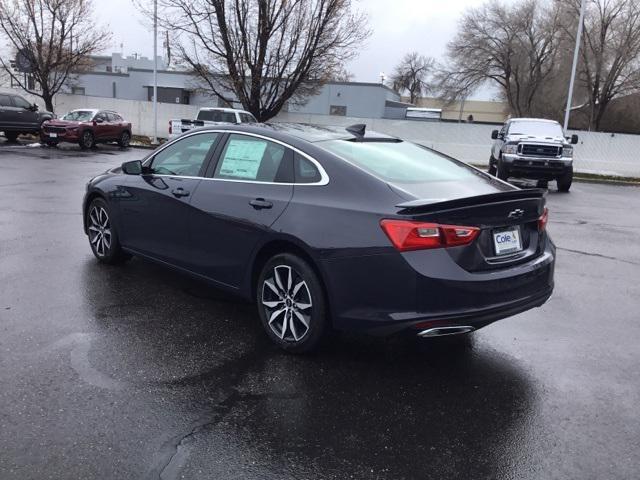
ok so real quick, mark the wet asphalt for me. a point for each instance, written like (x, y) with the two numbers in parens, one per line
(136, 372)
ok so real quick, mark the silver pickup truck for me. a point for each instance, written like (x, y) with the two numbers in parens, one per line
(210, 116)
(533, 148)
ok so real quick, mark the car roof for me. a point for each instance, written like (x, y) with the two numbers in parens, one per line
(541, 120)
(223, 109)
(318, 133)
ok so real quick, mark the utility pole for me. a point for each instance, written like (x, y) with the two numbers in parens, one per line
(154, 141)
(567, 112)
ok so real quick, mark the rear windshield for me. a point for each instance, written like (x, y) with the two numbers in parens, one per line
(216, 116)
(400, 162)
(79, 116)
(538, 129)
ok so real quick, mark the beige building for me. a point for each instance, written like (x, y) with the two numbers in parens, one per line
(480, 111)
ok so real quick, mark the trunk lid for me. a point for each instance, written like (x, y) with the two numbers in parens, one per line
(494, 213)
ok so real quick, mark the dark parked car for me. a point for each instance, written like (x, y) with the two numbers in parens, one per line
(324, 227)
(533, 148)
(18, 116)
(87, 127)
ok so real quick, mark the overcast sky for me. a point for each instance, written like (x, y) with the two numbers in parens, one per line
(399, 26)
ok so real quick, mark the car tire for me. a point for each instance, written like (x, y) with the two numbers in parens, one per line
(87, 140)
(564, 182)
(124, 140)
(502, 172)
(492, 166)
(12, 137)
(103, 237)
(291, 303)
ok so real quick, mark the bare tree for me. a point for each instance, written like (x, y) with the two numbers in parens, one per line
(610, 52)
(512, 46)
(412, 74)
(54, 39)
(264, 53)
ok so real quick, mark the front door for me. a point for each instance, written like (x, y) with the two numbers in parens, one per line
(155, 206)
(26, 117)
(250, 186)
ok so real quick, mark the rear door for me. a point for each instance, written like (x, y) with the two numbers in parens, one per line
(247, 189)
(26, 117)
(101, 126)
(155, 206)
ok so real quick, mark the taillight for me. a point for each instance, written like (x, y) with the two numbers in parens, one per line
(170, 129)
(543, 220)
(407, 235)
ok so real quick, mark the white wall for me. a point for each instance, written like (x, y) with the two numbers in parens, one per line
(601, 153)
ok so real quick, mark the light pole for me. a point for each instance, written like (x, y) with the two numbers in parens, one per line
(567, 112)
(154, 141)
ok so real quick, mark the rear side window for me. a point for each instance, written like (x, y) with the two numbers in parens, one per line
(217, 116)
(305, 170)
(247, 118)
(5, 101)
(254, 159)
(401, 162)
(186, 156)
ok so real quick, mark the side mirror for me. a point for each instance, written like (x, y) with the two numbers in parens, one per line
(574, 139)
(133, 167)
(98, 120)
(494, 134)
(34, 107)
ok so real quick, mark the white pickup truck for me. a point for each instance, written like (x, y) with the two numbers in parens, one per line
(210, 116)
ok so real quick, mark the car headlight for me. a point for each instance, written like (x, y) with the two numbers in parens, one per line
(510, 148)
(567, 151)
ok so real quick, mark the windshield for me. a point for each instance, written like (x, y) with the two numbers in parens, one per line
(400, 162)
(537, 129)
(79, 116)
(216, 116)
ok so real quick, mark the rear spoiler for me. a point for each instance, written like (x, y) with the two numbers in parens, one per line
(431, 205)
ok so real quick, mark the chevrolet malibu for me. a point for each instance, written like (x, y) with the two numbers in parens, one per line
(325, 228)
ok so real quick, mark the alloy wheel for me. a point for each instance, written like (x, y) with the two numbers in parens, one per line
(286, 299)
(99, 230)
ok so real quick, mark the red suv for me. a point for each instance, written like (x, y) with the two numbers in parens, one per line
(87, 127)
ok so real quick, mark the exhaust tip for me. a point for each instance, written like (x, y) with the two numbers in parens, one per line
(443, 331)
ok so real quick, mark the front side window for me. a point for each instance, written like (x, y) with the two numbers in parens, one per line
(21, 102)
(79, 116)
(254, 159)
(185, 157)
(101, 116)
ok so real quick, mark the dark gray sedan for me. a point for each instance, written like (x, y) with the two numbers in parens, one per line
(329, 228)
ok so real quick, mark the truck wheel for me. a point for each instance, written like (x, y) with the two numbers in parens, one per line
(502, 171)
(12, 137)
(492, 166)
(564, 182)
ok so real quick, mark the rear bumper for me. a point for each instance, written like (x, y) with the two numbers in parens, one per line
(537, 167)
(391, 293)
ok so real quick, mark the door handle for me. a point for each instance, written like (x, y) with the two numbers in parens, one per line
(180, 192)
(260, 203)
